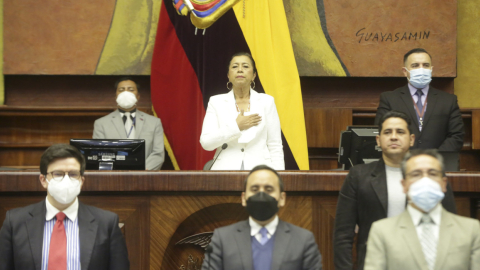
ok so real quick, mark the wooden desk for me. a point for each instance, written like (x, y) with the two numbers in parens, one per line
(160, 208)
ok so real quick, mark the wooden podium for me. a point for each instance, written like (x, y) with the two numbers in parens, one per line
(158, 209)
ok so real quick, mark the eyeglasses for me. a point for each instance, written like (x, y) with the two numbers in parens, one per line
(59, 175)
(418, 174)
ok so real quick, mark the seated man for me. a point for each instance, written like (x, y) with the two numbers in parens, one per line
(263, 241)
(60, 232)
(424, 236)
(129, 123)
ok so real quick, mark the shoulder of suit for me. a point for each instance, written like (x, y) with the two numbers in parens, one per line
(296, 229)
(233, 227)
(461, 220)
(441, 93)
(146, 115)
(108, 116)
(389, 222)
(22, 213)
(364, 168)
(98, 213)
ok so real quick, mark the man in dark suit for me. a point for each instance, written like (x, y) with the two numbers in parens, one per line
(60, 232)
(263, 241)
(436, 118)
(374, 191)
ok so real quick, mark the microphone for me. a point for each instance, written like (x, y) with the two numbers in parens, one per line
(224, 146)
(209, 250)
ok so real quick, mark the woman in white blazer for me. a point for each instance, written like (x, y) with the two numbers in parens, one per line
(245, 120)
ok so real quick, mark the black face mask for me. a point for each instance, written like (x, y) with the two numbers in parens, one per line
(262, 206)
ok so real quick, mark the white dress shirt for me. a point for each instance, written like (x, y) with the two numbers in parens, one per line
(396, 196)
(435, 214)
(255, 228)
(71, 230)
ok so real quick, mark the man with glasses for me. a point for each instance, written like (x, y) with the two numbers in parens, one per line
(61, 233)
(424, 236)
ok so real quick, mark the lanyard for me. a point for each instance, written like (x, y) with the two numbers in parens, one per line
(131, 128)
(420, 114)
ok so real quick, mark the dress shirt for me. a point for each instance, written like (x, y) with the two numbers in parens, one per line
(255, 228)
(71, 230)
(435, 214)
(396, 196)
(132, 114)
(413, 92)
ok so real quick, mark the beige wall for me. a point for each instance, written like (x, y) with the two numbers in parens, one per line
(467, 83)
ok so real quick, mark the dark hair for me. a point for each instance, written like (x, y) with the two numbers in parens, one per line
(416, 50)
(243, 54)
(60, 151)
(395, 114)
(263, 167)
(417, 152)
(126, 79)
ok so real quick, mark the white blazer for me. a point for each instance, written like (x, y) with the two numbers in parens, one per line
(220, 126)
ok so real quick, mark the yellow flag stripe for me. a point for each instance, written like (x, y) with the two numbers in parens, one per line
(265, 29)
(168, 147)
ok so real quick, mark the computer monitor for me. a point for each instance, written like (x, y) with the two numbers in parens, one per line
(106, 154)
(358, 146)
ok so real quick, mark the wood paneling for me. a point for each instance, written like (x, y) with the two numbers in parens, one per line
(324, 126)
(69, 91)
(476, 129)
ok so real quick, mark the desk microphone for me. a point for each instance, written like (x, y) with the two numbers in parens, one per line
(209, 250)
(224, 146)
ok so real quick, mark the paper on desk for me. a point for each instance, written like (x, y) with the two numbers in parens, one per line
(248, 134)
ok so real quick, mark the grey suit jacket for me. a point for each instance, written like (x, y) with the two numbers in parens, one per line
(363, 199)
(393, 244)
(294, 248)
(443, 126)
(102, 245)
(147, 127)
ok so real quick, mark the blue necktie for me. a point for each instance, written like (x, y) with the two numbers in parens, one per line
(264, 233)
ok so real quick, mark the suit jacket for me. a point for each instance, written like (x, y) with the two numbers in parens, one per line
(294, 248)
(363, 199)
(394, 244)
(102, 245)
(147, 127)
(220, 126)
(443, 125)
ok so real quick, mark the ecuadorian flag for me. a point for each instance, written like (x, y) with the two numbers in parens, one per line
(190, 65)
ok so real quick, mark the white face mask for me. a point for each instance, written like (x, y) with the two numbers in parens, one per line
(126, 100)
(425, 193)
(64, 191)
(420, 77)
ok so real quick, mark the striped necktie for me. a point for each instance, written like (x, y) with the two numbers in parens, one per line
(428, 241)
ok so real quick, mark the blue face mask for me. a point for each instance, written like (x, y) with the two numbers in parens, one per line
(425, 194)
(420, 77)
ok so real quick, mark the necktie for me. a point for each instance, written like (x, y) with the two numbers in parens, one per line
(129, 127)
(428, 241)
(419, 101)
(264, 233)
(57, 255)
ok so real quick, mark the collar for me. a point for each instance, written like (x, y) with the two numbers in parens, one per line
(435, 214)
(255, 227)
(132, 113)
(413, 90)
(123, 111)
(71, 212)
(392, 169)
(230, 95)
